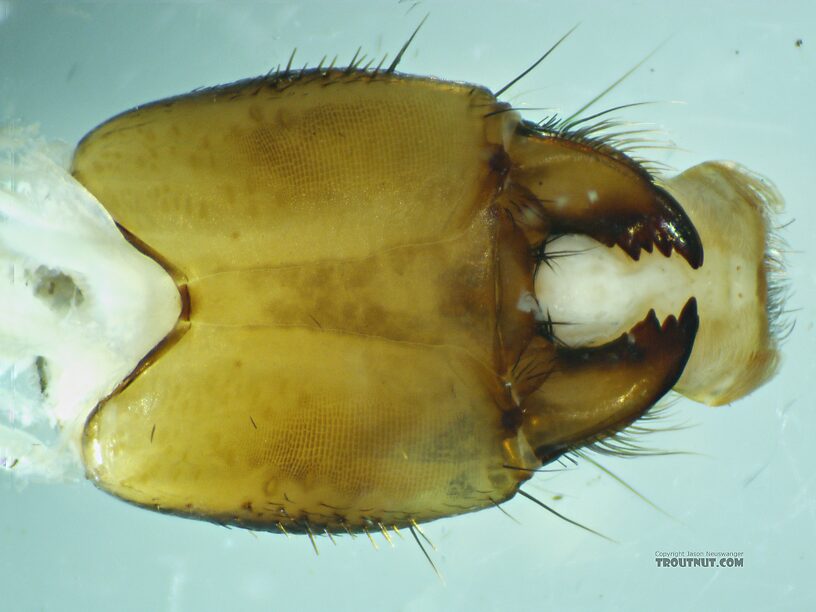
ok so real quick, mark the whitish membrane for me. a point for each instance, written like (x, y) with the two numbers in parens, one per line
(80, 307)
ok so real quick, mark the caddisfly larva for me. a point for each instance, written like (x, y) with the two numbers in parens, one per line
(314, 302)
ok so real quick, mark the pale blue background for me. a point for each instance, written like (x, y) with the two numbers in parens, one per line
(749, 95)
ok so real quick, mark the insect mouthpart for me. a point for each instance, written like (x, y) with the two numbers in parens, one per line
(594, 293)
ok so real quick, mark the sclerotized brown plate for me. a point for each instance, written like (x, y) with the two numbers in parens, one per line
(362, 342)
